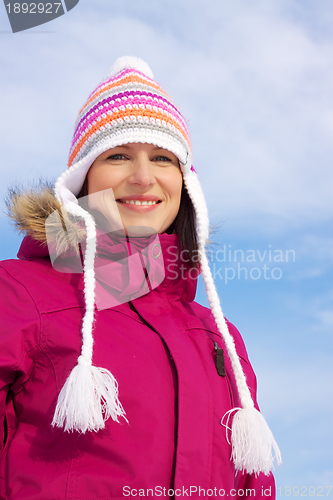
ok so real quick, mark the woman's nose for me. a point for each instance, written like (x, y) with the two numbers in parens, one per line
(143, 171)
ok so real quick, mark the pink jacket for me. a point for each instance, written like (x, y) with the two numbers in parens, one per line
(160, 348)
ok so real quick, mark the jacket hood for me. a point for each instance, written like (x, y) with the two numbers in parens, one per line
(29, 209)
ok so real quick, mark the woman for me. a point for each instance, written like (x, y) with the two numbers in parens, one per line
(156, 396)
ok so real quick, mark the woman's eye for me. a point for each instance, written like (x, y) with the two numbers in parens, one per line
(117, 156)
(162, 158)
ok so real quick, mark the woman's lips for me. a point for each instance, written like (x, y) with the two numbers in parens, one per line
(139, 203)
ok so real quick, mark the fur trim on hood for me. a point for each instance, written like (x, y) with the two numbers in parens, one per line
(29, 209)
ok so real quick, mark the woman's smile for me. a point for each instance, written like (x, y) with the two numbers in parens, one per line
(143, 203)
(146, 182)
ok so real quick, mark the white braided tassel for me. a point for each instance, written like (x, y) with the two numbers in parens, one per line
(252, 442)
(90, 394)
(251, 439)
(88, 398)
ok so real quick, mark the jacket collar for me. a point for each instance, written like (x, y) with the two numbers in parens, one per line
(122, 267)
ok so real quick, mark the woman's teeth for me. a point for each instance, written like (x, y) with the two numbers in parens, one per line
(138, 202)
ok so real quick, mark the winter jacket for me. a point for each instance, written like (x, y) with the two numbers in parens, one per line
(161, 348)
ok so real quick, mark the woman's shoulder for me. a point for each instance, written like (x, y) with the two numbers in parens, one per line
(48, 289)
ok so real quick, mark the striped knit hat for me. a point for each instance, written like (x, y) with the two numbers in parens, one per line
(130, 107)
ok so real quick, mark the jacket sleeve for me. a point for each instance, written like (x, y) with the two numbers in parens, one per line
(19, 334)
(250, 485)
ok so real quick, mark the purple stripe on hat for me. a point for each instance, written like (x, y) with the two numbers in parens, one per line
(100, 112)
(118, 77)
(134, 93)
(95, 112)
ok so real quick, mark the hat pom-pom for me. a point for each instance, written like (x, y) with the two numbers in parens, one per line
(130, 62)
(88, 398)
(252, 442)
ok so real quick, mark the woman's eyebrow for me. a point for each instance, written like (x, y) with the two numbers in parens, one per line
(162, 149)
(126, 146)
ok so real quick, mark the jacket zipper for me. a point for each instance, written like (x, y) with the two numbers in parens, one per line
(219, 360)
(133, 308)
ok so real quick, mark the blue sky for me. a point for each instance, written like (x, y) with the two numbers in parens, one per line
(254, 80)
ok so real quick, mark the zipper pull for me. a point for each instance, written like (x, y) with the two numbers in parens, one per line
(219, 361)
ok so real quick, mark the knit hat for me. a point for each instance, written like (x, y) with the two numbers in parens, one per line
(130, 107)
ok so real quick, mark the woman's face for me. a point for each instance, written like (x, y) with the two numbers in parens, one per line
(146, 182)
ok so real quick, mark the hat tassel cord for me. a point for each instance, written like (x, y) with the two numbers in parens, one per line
(251, 439)
(90, 394)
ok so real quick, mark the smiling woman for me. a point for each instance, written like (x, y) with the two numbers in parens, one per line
(114, 381)
(146, 182)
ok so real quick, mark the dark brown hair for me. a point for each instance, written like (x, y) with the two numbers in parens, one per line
(184, 224)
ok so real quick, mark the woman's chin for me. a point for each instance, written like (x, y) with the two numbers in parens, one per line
(137, 231)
